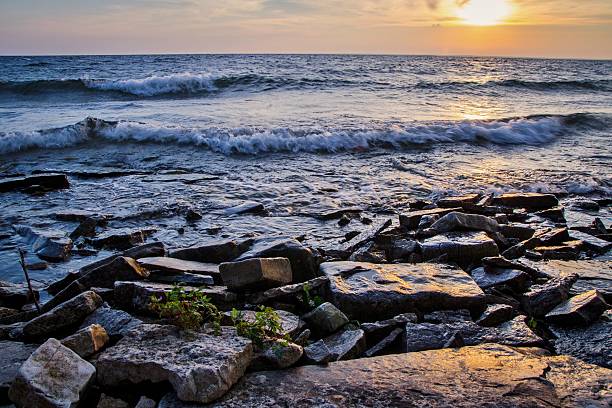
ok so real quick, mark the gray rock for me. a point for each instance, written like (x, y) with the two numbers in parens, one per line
(541, 299)
(110, 402)
(15, 296)
(494, 277)
(457, 221)
(87, 341)
(461, 247)
(366, 236)
(346, 344)
(49, 181)
(518, 231)
(377, 331)
(11, 358)
(174, 266)
(411, 220)
(427, 336)
(402, 249)
(325, 319)
(590, 241)
(448, 316)
(145, 402)
(318, 353)
(248, 207)
(50, 245)
(63, 317)
(256, 273)
(189, 279)
(276, 355)
(533, 201)
(288, 292)
(200, 367)
(582, 309)
(7, 312)
(211, 252)
(370, 292)
(496, 314)
(386, 343)
(489, 375)
(116, 323)
(122, 238)
(458, 201)
(53, 376)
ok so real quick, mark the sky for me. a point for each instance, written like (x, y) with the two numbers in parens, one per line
(531, 28)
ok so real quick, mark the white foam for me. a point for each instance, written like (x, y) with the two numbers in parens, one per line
(158, 85)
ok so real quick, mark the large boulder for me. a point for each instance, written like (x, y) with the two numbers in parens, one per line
(211, 252)
(370, 292)
(200, 367)
(63, 317)
(12, 356)
(582, 309)
(460, 247)
(256, 273)
(53, 376)
(489, 375)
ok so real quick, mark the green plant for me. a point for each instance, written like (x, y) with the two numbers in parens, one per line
(188, 310)
(265, 325)
(308, 300)
(532, 323)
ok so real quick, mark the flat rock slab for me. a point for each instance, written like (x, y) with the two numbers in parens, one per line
(256, 273)
(12, 356)
(46, 181)
(214, 251)
(411, 220)
(489, 375)
(460, 247)
(116, 323)
(176, 266)
(200, 367)
(534, 201)
(582, 309)
(370, 292)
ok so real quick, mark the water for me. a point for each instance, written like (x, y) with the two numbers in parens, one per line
(300, 133)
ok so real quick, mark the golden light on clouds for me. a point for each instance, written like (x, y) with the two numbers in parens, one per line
(484, 12)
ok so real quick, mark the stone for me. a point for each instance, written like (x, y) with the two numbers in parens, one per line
(277, 354)
(337, 214)
(457, 221)
(50, 245)
(497, 277)
(248, 207)
(63, 317)
(582, 309)
(304, 262)
(290, 323)
(318, 353)
(566, 251)
(411, 220)
(346, 344)
(200, 367)
(87, 341)
(428, 336)
(256, 273)
(402, 249)
(174, 266)
(86, 228)
(122, 238)
(461, 247)
(458, 201)
(325, 319)
(145, 402)
(49, 181)
(210, 252)
(590, 241)
(15, 296)
(288, 292)
(492, 264)
(366, 236)
(7, 312)
(12, 356)
(518, 231)
(377, 331)
(496, 314)
(370, 292)
(368, 253)
(532, 201)
(592, 344)
(110, 402)
(385, 344)
(53, 376)
(116, 323)
(136, 296)
(448, 316)
(541, 299)
(189, 279)
(489, 375)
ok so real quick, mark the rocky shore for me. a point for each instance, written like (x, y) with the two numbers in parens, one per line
(494, 300)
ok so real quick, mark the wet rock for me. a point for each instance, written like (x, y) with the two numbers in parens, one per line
(366, 236)
(590, 241)
(496, 314)
(318, 353)
(248, 207)
(53, 376)
(368, 253)
(41, 181)
(110, 402)
(456, 221)
(77, 215)
(344, 221)
(276, 355)
(87, 341)
(152, 249)
(337, 214)
(304, 262)
(256, 273)
(448, 316)
(189, 279)
(428, 336)
(63, 317)
(411, 220)
(200, 367)
(402, 249)
(174, 266)
(555, 236)
(116, 323)
(326, 319)
(518, 231)
(15, 296)
(371, 292)
(288, 292)
(12, 356)
(461, 247)
(487, 375)
(533, 201)
(123, 238)
(567, 251)
(541, 299)
(390, 342)
(191, 215)
(86, 228)
(458, 201)
(290, 323)
(582, 309)
(50, 245)
(582, 204)
(497, 277)
(211, 252)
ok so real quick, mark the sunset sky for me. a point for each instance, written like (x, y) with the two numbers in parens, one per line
(546, 28)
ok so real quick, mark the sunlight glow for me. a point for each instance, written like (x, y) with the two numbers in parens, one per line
(484, 12)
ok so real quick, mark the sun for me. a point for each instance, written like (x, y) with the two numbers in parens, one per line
(484, 12)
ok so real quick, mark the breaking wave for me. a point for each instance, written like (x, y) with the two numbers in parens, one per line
(603, 85)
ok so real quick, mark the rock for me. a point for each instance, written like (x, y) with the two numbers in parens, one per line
(492, 264)
(304, 263)
(427, 336)
(276, 355)
(590, 241)
(518, 231)
(582, 204)
(15, 296)
(346, 344)
(50, 245)
(368, 253)
(457, 221)
(566, 251)
(541, 299)
(87, 341)
(337, 214)
(86, 228)
(290, 323)
(211, 252)
(7, 312)
(497, 277)
(371, 292)
(303, 337)
(63, 317)
(189, 279)
(411, 220)
(402, 249)
(256, 273)
(152, 249)
(448, 316)
(377, 331)
(368, 235)
(288, 292)
(391, 340)
(325, 319)
(248, 207)
(44, 181)
(532, 201)
(551, 237)
(110, 402)
(583, 309)
(11, 358)
(122, 238)
(174, 266)
(487, 375)
(318, 353)
(53, 376)
(458, 201)
(116, 323)
(592, 344)
(200, 367)
(145, 402)
(191, 215)
(496, 314)
(462, 247)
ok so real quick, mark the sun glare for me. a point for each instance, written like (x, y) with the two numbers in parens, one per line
(484, 12)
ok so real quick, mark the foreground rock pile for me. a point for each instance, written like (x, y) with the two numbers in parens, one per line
(472, 300)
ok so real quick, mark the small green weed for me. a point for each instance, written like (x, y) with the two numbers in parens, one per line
(267, 325)
(187, 310)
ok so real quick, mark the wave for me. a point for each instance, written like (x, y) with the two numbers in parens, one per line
(531, 130)
(603, 85)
